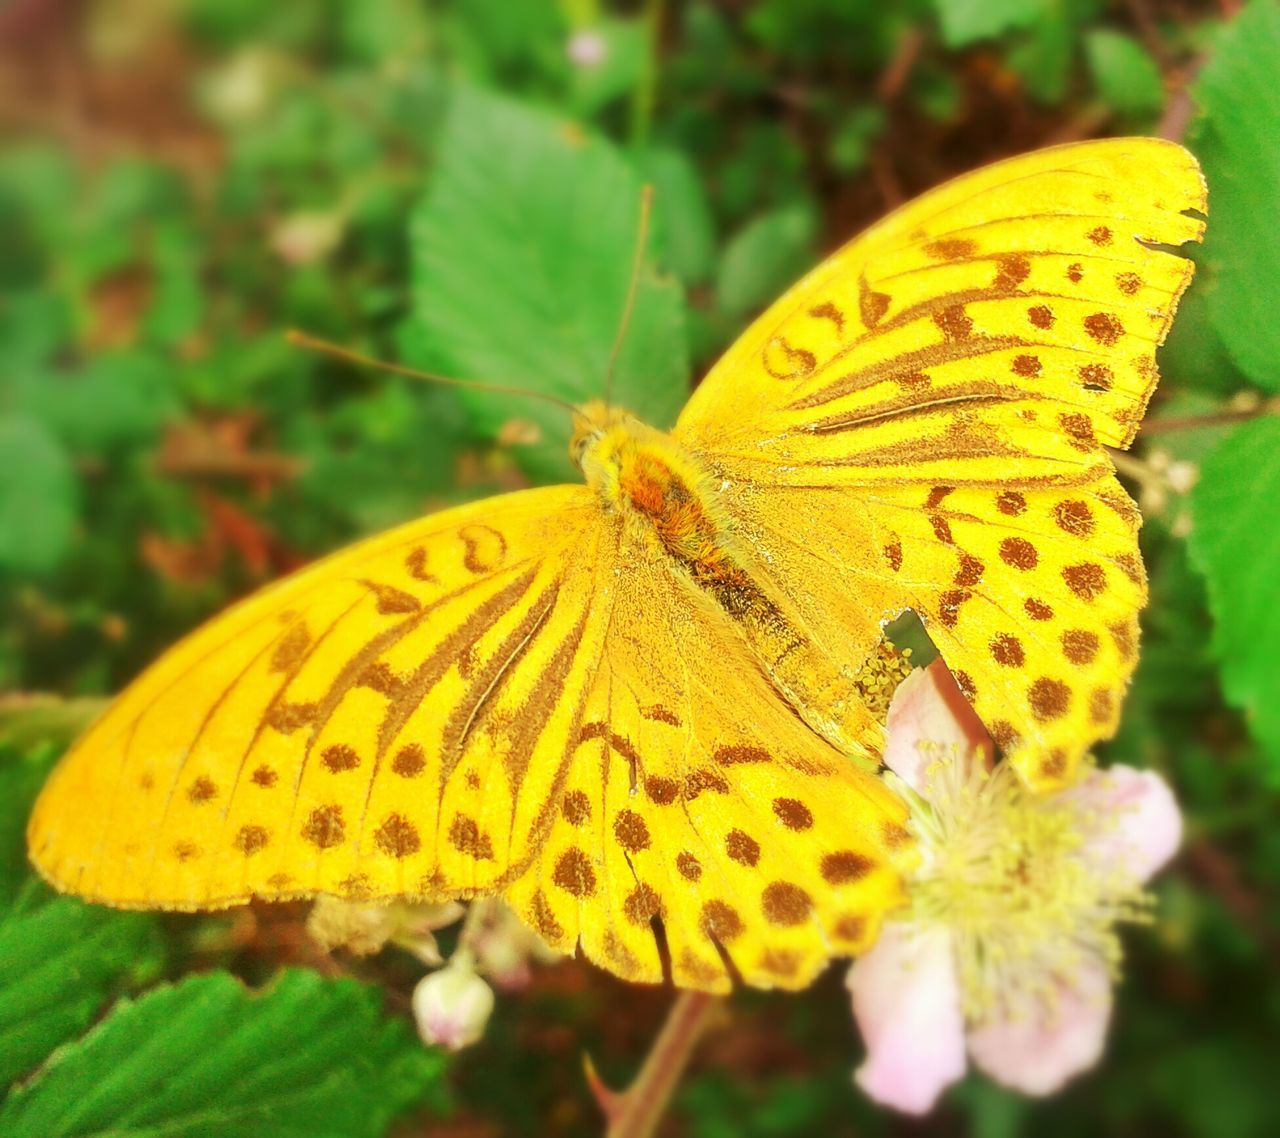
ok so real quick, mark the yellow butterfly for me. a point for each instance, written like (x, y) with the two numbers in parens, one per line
(643, 697)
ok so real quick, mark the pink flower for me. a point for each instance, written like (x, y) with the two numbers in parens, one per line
(505, 949)
(588, 49)
(1008, 949)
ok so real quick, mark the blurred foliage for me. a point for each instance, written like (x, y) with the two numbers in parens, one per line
(456, 185)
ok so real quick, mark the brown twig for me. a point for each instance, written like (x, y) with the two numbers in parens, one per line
(636, 1112)
(894, 77)
(1149, 32)
(1086, 124)
(882, 173)
(1215, 419)
(1216, 872)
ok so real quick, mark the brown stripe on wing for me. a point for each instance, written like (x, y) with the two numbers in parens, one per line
(446, 655)
(906, 364)
(980, 393)
(353, 673)
(529, 721)
(487, 684)
(548, 690)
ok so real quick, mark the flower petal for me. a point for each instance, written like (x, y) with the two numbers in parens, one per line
(927, 714)
(906, 1000)
(1133, 817)
(1037, 1053)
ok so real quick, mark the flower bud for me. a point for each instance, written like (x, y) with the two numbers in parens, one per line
(452, 1006)
(308, 237)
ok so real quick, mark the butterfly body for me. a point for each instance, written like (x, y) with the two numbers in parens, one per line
(641, 700)
(668, 502)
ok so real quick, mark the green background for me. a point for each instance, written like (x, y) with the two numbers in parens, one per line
(455, 185)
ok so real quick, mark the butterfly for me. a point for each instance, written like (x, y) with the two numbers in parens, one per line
(636, 708)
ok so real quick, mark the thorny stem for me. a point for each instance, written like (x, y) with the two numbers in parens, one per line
(636, 1112)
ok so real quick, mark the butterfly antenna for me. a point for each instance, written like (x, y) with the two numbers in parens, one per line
(315, 344)
(637, 262)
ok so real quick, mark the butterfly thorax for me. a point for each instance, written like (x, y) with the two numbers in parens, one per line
(648, 480)
(667, 502)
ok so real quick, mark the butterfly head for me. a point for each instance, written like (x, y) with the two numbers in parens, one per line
(594, 424)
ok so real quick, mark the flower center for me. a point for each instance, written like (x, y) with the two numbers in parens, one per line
(1011, 876)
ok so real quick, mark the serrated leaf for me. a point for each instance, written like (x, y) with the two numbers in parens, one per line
(1235, 142)
(20, 781)
(763, 258)
(207, 1058)
(1236, 544)
(38, 498)
(1126, 76)
(967, 21)
(60, 961)
(522, 261)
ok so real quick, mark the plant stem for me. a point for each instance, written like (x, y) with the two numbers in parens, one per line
(645, 95)
(636, 1112)
(1223, 418)
(28, 718)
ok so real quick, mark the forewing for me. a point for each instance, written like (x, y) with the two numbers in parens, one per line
(389, 722)
(919, 424)
(995, 330)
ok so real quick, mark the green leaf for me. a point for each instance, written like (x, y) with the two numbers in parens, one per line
(1042, 60)
(522, 262)
(1194, 356)
(365, 461)
(851, 143)
(175, 312)
(207, 1058)
(20, 781)
(39, 498)
(767, 255)
(610, 61)
(1236, 144)
(967, 21)
(113, 401)
(1236, 544)
(60, 960)
(1126, 76)
(681, 214)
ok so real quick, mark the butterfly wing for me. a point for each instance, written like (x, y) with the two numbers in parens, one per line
(919, 423)
(511, 697)
(701, 798)
(367, 727)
